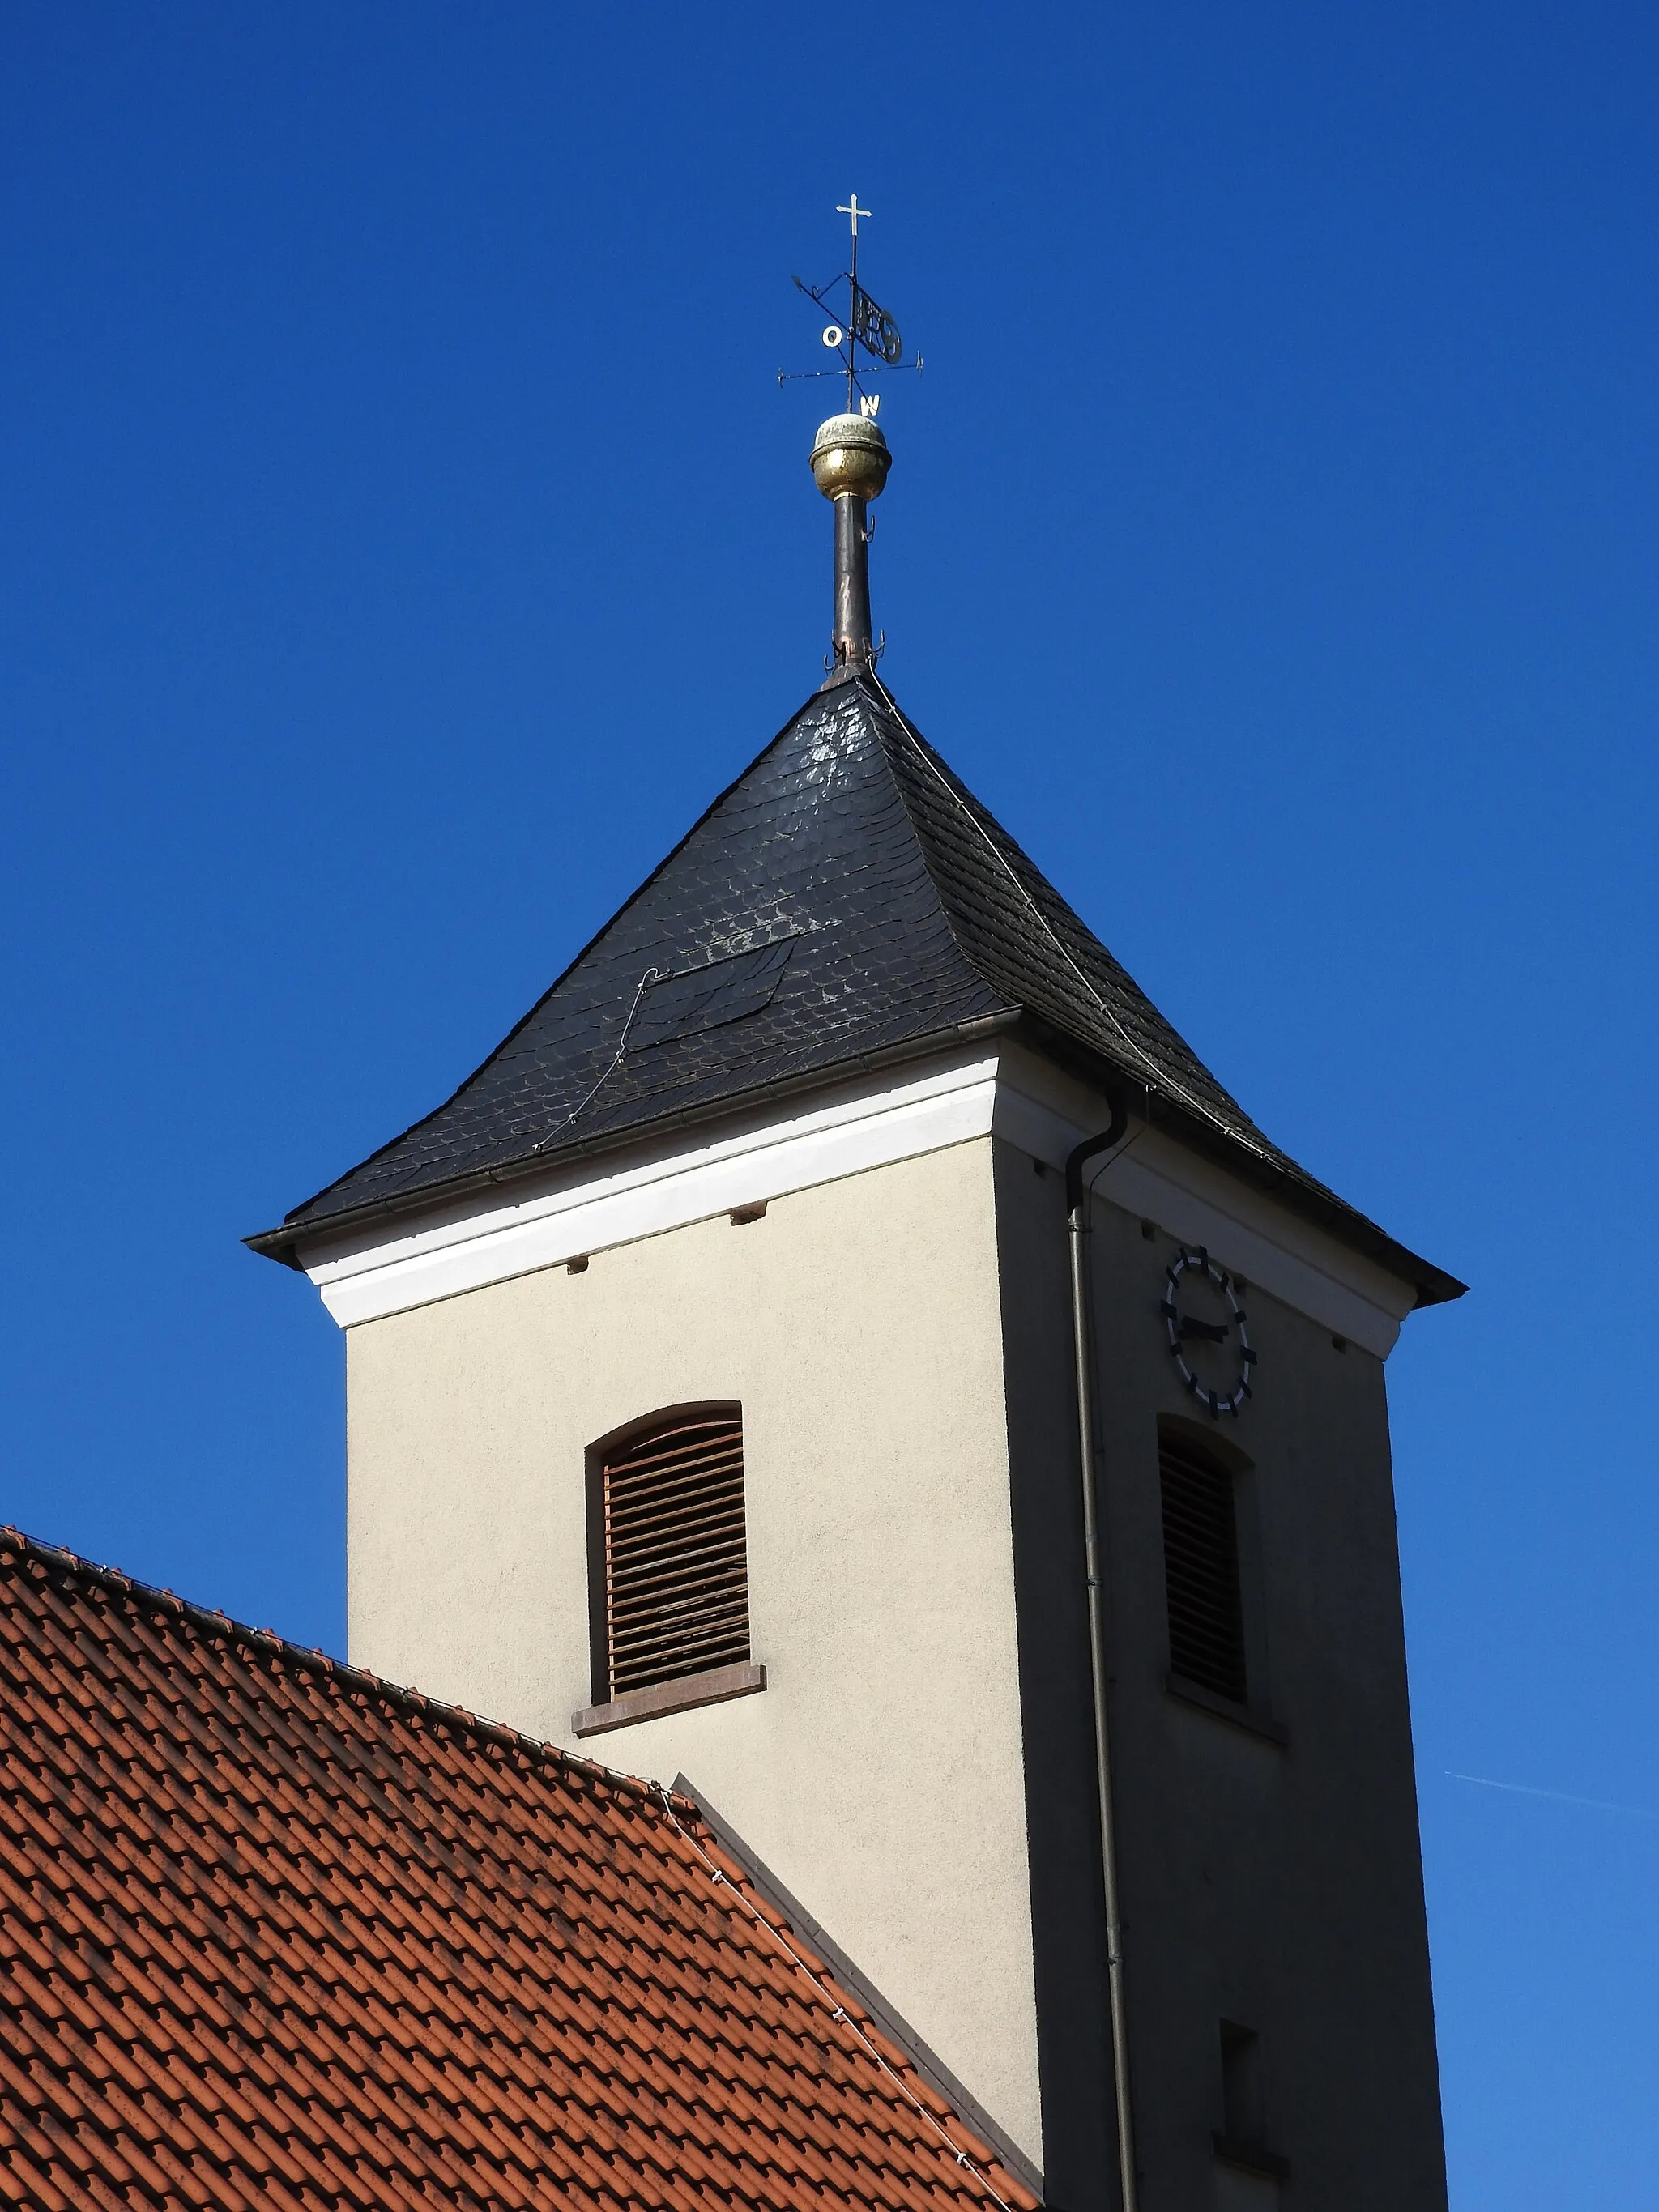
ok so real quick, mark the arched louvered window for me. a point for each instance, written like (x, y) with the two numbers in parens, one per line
(1201, 1568)
(669, 1567)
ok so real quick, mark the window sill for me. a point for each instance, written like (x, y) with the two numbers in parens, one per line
(1193, 1693)
(1252, 2157)
(679, 1696)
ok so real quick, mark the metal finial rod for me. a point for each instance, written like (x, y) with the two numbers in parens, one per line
(850, 461)
(853, 638)
(854, 210)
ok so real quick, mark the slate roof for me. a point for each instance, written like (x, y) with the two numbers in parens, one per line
(278, 1934)
(846, 901)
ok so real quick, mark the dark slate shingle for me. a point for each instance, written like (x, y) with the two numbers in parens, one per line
(886, 905)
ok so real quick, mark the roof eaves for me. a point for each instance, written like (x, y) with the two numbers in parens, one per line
(1291, 1186)
(1281, 1179)
(284, 1243)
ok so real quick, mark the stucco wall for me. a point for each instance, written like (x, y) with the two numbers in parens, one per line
(880, 1774)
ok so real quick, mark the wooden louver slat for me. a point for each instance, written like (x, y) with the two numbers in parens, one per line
(675, 1555)
(1200, 1569)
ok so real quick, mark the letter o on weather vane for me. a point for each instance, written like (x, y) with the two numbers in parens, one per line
(833, 335)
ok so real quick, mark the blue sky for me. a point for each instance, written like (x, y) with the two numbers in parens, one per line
(404, 536)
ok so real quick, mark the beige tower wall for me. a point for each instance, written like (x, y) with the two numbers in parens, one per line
(880, 1775)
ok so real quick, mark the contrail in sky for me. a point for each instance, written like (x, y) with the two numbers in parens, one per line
(1559, 1797)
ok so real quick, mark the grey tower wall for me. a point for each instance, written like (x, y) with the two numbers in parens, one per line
(1274, 1884)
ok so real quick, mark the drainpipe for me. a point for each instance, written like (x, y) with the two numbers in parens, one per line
(1077, 1217)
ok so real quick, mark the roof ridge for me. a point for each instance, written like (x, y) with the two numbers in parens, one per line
(1039, 895)
(838, 1968)
(314, 1661)
(887, 709)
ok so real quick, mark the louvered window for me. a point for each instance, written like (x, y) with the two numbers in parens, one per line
(1200, 1569)
(672, 1554)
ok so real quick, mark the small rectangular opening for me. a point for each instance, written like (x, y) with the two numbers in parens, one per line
(1244, 2116)
(1240, 2142)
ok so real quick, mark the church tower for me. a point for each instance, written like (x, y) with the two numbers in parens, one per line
(844, 1349)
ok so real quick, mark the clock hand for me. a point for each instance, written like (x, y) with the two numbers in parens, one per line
(1212, 1332)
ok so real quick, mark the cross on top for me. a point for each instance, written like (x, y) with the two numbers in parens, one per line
(855, 211)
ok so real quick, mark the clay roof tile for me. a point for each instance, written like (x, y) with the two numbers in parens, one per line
(276, 1933)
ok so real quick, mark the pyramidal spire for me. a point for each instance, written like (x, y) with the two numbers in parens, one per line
(846, 905)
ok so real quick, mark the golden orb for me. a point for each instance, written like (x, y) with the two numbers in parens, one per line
(849, 454)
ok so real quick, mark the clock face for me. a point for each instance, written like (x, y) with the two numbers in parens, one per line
(1206, 1323)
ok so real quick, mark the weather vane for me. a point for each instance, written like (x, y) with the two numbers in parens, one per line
(866, 338)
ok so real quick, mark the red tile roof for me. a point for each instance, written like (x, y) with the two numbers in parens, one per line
(276, 1933)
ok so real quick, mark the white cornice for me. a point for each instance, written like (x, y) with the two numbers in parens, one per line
(378, 1274)
(1009, 1094)
(1191, 1198)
